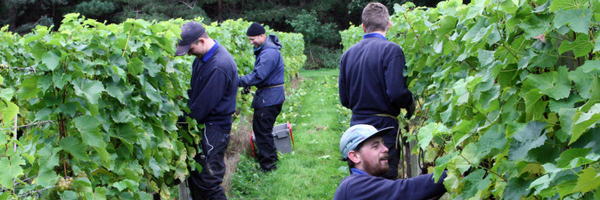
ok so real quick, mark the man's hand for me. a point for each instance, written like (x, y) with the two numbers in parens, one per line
(246, 90)
(410, 110)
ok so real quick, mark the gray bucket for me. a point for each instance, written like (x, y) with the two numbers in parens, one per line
(282, 136)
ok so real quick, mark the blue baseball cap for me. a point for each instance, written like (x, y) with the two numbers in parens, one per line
(358, 134)
(190, 32)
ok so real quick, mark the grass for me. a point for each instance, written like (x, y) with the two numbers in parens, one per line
(313, 169)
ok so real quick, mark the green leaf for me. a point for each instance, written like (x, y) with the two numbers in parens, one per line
(100, 193)
(555, 84)
(117, 60)
(485, 57)
(569, 155)
(566, 188)
(10, 168)
(475, 9)
(583, 80)
(75, 147)
(116, 92)
(531, 98)
(104, 156)
(578, 19)
(590, 65)
(153, 164)
(40, 32)
(516, 188)
(51, 59)
(588, 180)
(28, 88)
(9, 112)
(585, 121)
(528, 138)
(567, 4)
(135, 66)
(90, 133)
(581, 46)
(68, 194)
(494, 138)
(595, 96)
(43, 114)
(89, 89)
(7, 94)
(473, 183)
(541, 183)
(447, 25)
(425, 134)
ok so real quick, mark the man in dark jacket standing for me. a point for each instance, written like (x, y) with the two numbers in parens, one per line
(267, 76)
(211, 102)
(372, 83)
(362, 146)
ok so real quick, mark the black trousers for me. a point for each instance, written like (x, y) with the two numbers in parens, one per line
(262, 125)
(389, 139)
(207, 183)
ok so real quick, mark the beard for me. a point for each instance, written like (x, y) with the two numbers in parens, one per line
(377, 169)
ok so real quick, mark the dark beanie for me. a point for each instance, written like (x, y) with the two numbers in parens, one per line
(255, 29)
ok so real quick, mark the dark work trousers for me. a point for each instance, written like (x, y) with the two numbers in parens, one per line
(262, 125)
(389, 139)
(207, 183)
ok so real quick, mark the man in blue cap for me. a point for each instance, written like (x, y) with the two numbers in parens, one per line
(267, 76)
(214, 85)
(362, 146)
(372, 82)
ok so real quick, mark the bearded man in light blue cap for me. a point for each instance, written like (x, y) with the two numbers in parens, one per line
(363, 147)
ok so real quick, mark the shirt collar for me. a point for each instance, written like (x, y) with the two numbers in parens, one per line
(210, 52)
(358, 171)
(371, 35)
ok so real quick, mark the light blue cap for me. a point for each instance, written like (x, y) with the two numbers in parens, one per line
(357, 134)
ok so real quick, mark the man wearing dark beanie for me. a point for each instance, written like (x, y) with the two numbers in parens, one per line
(214, 85)
(267, 77)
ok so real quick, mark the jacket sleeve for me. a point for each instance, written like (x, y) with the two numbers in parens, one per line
(211, 92)
(343, 91)
(420, 187)
(395, 81)
(265, 63)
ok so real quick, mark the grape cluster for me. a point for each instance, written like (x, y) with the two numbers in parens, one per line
(81, 174)
(65, 183)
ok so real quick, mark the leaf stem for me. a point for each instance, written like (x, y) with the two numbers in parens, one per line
(486, 169)
(411, 28)
(127, 43)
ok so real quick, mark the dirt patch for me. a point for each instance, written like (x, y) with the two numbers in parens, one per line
(238, 143)
(295, 81)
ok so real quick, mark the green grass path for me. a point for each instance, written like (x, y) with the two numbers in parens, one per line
(313, 170)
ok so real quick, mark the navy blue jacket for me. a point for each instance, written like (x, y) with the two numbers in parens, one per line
(214, 85)
(371, 77)
(268, 71)
(360, 185)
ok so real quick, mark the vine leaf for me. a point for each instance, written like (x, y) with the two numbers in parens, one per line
(581, 46)
(585, 121)
(566, 4)
(51, 59)
(28, 88)
(90, 133)
(75, 148)
(528, 138)
(588, 180)
(10, 168)
(555, 84)
(569, 155)
(89, 89)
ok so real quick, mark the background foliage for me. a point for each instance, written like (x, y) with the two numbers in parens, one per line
(509, 94)
(89, 111)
